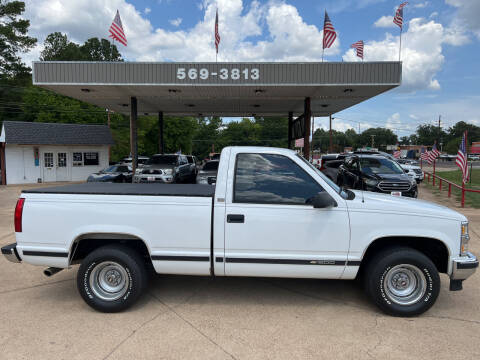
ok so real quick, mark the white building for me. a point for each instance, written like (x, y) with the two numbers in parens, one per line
(32, 152)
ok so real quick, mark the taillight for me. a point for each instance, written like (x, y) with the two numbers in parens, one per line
(18, 215)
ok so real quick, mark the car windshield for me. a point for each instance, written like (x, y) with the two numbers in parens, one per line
(211, 166)
(379, 166)
(162, 160)
(326, 179)
(110, 169)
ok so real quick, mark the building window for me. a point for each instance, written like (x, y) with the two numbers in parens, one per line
(90, 158)
(77, 159)
(48, 160)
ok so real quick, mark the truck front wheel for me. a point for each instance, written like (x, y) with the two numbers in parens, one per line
(111, 278)
(402, 281)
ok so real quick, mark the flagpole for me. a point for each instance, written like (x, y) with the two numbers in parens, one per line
(400, 49)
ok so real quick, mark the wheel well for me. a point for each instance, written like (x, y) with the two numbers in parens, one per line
(87, 243)
(434, 249)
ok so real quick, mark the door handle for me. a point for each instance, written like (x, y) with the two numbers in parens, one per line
(235, 218)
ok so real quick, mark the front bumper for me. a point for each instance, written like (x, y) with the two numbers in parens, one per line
(164, 179)
(464, 267)
(10, 252)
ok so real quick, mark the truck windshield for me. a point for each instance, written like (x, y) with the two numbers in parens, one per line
(162, 160)
(334, 186)
(211, 165)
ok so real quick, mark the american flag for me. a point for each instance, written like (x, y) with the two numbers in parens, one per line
(397, 154)
(398, 19)
(433, 154)
(329, 34)
(116, 30)
(359, 46)
(462, 158)
(424, 154)
(217, 35)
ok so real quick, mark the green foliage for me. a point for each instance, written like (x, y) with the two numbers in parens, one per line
(429, 134)
(13, 38)
(57, 47)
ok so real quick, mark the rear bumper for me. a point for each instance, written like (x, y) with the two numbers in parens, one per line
(10, 252)
(463, 267)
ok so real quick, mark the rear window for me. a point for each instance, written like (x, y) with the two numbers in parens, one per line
(190, 159)
(211, 165)
(162, 160)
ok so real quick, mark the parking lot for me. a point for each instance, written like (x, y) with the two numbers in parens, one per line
(240, 318)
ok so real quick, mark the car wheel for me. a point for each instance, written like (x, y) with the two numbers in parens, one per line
(402, 281)
(111, 278)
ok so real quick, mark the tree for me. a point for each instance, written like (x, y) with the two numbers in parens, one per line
(429, 134)
(57, 47)
(13, 38)
(381, 138)
(95, 49)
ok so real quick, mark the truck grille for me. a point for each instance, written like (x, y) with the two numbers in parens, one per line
(151, 171)
(394, 185)
(418, 171)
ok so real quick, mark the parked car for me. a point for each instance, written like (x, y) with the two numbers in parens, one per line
(330, 168)
(192, 161)
(141, 160)
(208, 173)
(473, 157)
(164, 168)
(271, 214)
(376, 173)
(114, 173)
(413, 171)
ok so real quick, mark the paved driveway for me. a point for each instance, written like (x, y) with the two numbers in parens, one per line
(239, 318)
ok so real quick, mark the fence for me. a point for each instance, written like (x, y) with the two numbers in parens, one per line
(450, 184)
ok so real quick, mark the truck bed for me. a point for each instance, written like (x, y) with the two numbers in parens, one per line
(188, 190)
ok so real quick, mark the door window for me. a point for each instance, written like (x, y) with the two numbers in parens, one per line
(48, 160)
(62, 159)
(272, 179)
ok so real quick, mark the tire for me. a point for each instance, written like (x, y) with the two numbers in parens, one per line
(402, 281)
(112, 278)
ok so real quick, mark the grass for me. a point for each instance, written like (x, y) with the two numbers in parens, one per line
(455, 176)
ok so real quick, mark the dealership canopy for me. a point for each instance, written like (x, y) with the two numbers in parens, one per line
(221, 89)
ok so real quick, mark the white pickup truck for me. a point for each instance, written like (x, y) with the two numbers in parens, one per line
(270, 214)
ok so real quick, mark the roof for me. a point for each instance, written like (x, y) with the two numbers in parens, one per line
(36, 133)
(222, 89)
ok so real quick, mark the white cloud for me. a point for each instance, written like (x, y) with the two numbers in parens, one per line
(421, 5)
(385, 22)
(468, 14)
(433, 15)
(421, 52)
(288, 37)
(147, 10)
(176, 22)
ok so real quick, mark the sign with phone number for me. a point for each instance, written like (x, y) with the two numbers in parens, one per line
(223, 74)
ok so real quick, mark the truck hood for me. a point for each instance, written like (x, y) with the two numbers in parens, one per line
(409, 167)
(402, 205)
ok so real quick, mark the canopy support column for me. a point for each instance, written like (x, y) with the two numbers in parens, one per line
(306, 131)
(161, 141)
(133, 133)
(290, 129)
(3, 173)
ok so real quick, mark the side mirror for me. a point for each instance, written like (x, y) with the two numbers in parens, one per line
(212, 180)
(323, 200)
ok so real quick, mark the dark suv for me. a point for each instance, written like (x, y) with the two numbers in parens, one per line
(375, 173)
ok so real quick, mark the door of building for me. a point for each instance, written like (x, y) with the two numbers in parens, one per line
(49, 171)
(62, 167)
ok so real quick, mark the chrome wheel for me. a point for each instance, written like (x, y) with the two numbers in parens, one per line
(405, 284)
(109, 280)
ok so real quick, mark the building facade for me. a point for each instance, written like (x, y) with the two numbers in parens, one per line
(49, 152)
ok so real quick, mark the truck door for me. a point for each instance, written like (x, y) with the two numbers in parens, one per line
(270, 228)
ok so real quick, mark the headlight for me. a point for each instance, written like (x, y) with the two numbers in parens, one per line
(464, 238)
(370, 182)
(168, 171)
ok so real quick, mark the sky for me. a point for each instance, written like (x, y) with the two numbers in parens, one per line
(440, 45)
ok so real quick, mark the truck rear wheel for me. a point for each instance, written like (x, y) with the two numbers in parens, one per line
(402, 281)
(111, 278)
